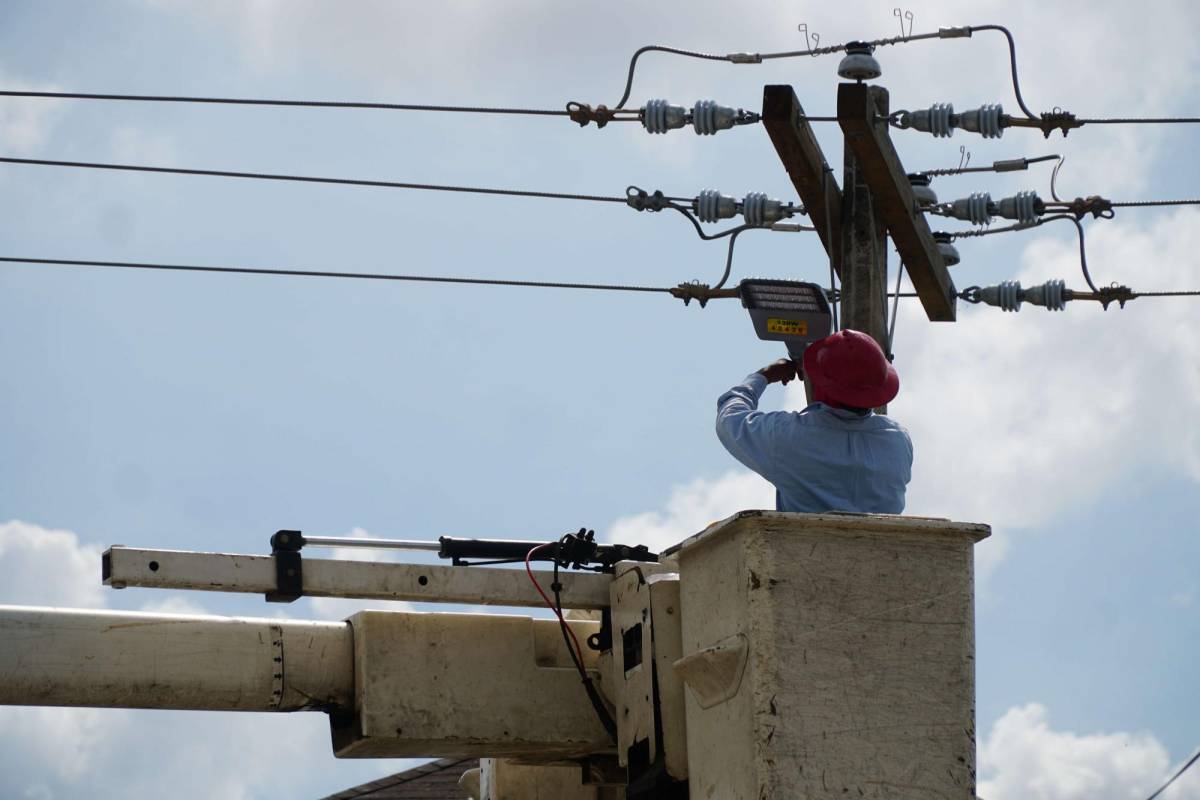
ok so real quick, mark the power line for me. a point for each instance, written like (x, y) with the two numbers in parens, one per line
(325, 274)
(1148, 203)
(382, 276)
(1139, 120)
(244, 101)
(312, 179)
(1182, 770)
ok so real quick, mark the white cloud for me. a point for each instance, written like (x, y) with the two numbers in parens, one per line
(1060, 401)
(44, 567)
(1024, 759)
(693, 507)
(102, 753)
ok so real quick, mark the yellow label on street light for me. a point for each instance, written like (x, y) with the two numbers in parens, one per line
(788, 327)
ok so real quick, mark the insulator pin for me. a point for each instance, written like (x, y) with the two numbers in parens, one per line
(1024, 207)
(660, 116)
(984, 120)
(1009, 295)
(761, 211)
(711, 206)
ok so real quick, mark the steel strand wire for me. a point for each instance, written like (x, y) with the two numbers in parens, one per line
(332, 274)
(266, 176)
(246, 101)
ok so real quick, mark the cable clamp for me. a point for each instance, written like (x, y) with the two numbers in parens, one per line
(1120, 294)
(640, 200)
(584, 113)
(1058, 120)
(1097, 206)
(701, 292)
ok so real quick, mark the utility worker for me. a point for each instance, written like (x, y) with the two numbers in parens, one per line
(837, 454)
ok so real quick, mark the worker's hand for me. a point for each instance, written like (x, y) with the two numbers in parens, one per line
(781, 371)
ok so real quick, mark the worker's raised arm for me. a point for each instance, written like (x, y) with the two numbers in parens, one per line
(743, 429)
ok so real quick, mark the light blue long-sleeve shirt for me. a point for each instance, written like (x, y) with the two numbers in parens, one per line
(819, 459)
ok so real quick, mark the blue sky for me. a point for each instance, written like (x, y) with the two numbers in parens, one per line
(205, 411)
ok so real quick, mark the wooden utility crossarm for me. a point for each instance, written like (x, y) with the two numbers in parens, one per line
(797, 146)
(867, 136)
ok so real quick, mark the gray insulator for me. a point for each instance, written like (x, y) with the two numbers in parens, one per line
(1023, 207)
(1051, 294)
(948, 251)
(659, 116)
(708, 117)
(711, 206)
(975, 209)
(859, 64)
(935, 119)
(1007, 295)
(924, 194)
(984, 120)
(761, 211)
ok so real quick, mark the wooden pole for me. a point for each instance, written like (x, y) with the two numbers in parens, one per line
(864, 246)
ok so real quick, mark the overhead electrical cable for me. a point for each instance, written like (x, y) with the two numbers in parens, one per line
(313, 179)
(1182, 770)
(245, 101)
(1151, 203)
(437, 279)
(328, 274)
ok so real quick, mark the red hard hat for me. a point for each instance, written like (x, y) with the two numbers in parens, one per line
(850, 368)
